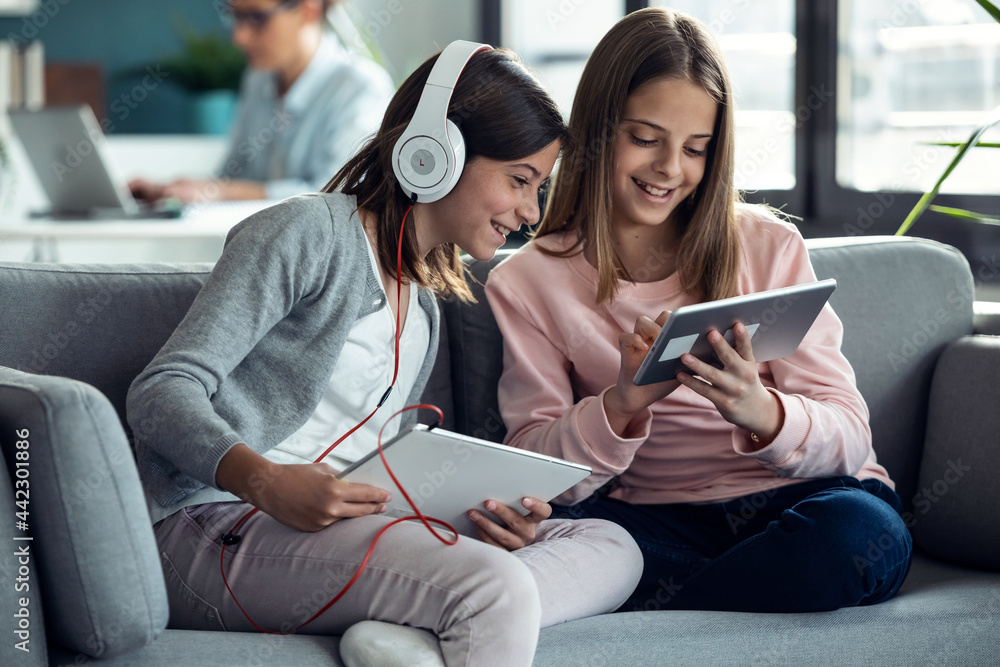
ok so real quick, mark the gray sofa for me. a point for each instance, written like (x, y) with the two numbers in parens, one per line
(80, 577)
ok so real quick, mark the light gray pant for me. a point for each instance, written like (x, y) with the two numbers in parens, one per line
(485, 605)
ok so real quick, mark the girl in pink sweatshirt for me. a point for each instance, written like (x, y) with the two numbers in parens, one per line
(753, 487)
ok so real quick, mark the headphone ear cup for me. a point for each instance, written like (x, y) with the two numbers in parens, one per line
(456, 155)
(422, 164)
(429, 157)
(430, 167)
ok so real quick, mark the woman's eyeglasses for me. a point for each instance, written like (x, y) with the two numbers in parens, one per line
(254, 19)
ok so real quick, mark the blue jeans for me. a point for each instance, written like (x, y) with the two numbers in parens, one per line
(817, 545)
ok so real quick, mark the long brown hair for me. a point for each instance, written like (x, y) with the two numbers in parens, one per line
(649, 44)
(504, 114)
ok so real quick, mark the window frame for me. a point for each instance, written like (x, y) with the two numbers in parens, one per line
(825, 207)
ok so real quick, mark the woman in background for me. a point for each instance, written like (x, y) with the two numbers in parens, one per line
(305, 106)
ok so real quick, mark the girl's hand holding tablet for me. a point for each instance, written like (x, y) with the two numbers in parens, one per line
(520, 530)
(309, 497)
(736, 389)
(625, 400)
(305, 496)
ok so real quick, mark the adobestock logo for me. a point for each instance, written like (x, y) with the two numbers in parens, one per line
(562, 12)
(926, 498)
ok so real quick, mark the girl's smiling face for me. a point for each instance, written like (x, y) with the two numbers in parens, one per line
(660, 150)
(491, 199)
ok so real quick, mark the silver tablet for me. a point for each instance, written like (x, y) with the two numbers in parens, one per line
(777, 321)
(447, 474)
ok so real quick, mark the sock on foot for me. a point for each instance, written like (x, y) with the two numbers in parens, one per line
(376, 643)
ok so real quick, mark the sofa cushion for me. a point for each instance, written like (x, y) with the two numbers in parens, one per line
(473, 362)
(97, 558)
(954, 514)
(942, 615)
(99, 323)
(902, 300)
(196, 648)
(951, 623)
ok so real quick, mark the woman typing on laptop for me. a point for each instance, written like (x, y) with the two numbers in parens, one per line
(305, 106)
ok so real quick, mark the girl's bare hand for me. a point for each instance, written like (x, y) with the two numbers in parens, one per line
(519, 530)
(735, 389)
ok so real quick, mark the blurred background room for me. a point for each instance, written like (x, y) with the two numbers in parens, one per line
(845, 107)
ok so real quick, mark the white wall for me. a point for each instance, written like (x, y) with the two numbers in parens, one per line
(408, 31)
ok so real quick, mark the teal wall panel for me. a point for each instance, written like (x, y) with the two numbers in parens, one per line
(122, 35)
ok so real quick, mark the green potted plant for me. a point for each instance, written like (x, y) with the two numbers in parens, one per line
(974, 141)
(209, 68)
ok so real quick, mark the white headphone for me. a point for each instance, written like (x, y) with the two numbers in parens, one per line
(429, 156)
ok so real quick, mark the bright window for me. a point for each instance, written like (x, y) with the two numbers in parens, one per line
(758, 42)
(555, 38)
(913, 73)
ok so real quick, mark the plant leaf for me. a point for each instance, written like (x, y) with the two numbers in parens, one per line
(991, 9)
(925, 201)
(967, 215)
(956, 144)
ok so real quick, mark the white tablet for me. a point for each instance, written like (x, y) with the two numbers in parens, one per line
(777, 321)
(447, 474)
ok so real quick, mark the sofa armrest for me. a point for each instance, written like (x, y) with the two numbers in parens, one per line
(954, 510)
(98, 566)
(986, 317)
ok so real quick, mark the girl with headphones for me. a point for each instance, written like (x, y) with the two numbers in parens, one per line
(293, 339)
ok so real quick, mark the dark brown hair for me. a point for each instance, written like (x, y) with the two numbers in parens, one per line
(649, 44)
(504, 114)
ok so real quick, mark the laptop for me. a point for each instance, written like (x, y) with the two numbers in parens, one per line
(446, 474)
(69, 153)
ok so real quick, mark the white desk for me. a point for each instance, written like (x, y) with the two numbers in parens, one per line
(208, 224)
(197, 237)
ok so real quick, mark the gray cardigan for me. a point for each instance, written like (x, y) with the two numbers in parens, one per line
(252, 357)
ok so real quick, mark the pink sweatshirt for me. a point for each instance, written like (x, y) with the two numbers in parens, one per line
(561, 355)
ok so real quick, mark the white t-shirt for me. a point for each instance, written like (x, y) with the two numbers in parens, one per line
(362, 374)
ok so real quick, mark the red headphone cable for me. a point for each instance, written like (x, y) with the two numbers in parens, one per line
(231, 539)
